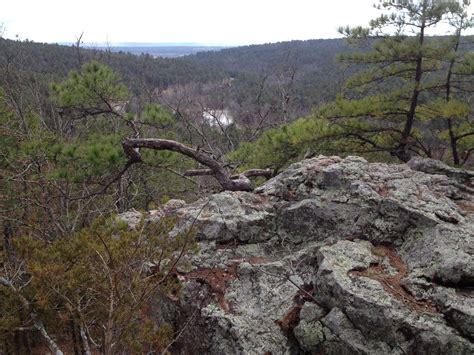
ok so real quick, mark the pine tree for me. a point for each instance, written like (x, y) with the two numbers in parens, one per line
(454, 107)
(383, 105)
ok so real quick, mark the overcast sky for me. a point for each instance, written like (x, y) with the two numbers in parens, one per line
(228, 22)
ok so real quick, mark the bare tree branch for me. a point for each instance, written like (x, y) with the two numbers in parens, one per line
(219, 172)
(266, 173)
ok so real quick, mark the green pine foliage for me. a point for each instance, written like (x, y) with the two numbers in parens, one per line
(278, 147)
(393, 105)
(413, 95)
(102, 279)
(94, 87)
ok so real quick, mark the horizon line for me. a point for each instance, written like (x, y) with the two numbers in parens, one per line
(180, 44)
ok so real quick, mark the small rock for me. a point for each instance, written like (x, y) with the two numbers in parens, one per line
(311, 312)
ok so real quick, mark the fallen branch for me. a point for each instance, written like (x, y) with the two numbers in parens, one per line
(131, 149)
(198, 172)
(266, 173)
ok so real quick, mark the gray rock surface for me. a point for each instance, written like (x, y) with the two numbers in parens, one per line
(134, 217)
(432, 166)
(333, 256)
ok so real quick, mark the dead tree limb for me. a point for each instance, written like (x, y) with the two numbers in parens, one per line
(198, 172)
(266, 173)
(219, 172)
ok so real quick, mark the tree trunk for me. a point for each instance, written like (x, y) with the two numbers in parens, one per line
(17, 342)
(85, 342)
(51, 343)
(109, 327)
(77, 349)
(7, 243)
(25, 337)
(454, 143)
(402, 150)
(452, 138)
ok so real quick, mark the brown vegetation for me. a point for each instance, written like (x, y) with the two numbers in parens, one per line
(218, 281)
(393, 283)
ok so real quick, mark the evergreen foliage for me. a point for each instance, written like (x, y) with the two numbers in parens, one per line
(413, 95)
(398, 94)
(100, 280)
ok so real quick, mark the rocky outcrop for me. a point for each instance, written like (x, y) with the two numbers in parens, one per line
(432, 166)
(333, 256)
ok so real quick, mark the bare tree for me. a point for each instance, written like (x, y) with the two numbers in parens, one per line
(77, 47)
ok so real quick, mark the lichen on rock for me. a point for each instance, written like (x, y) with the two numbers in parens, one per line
(332, 256)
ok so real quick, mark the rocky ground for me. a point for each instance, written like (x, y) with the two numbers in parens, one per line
(333, 256)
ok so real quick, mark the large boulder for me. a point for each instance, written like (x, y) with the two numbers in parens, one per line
(336, 256)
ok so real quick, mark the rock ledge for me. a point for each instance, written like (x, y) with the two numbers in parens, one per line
(332, 256)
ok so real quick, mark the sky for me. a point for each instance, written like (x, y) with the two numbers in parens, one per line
(212, 22)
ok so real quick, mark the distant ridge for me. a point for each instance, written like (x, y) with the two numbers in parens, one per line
(147, 44)
(160, 49)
